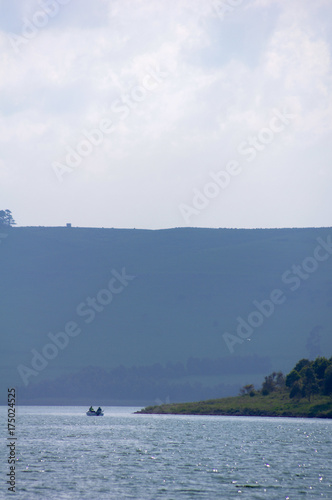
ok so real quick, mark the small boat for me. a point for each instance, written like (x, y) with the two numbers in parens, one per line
(95, 413)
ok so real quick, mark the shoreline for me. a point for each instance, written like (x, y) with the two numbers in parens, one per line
(272, 405)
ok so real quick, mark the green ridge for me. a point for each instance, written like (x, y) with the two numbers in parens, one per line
(273, 405)
(305, 392)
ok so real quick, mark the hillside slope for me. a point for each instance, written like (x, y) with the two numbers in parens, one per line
(189, 288)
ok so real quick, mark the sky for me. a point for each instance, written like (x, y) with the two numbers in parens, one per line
(154, 114)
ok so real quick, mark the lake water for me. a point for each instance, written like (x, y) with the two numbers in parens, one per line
(63, 454)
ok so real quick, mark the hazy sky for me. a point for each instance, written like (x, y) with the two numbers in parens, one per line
(155, 113)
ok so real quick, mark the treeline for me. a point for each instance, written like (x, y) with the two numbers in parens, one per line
(306, 379)
(149, 383)
(309, 378)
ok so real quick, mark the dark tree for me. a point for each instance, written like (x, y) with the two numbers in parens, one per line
(319, 365)
(273, 382)
(247, 389)
(328, 381)
(280, 381)
(6, 218)
(300, 364)
(291, 378)
(296, 391)
(310, 386)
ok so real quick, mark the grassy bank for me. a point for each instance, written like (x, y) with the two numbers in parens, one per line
(276, 404)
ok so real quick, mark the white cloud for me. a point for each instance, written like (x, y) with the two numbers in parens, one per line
(224, 78)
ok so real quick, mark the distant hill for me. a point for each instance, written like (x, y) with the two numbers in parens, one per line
(175, 293)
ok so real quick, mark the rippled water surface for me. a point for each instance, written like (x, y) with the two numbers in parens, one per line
(64, 454)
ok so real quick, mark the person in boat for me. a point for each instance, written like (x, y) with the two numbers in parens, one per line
(99, 411)
(91, 409)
